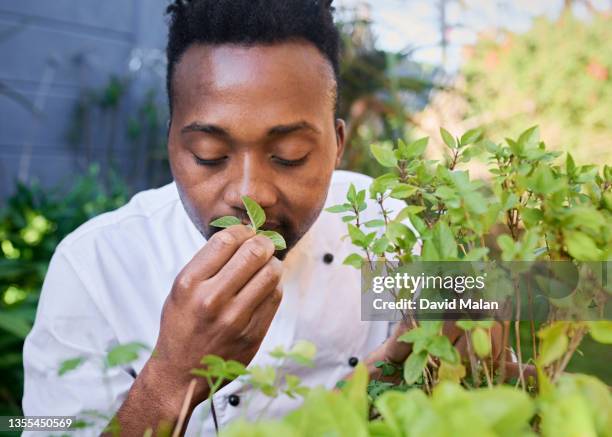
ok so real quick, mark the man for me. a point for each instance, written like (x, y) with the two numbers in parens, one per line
(252, 88)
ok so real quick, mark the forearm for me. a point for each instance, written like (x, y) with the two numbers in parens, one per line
(155, 401)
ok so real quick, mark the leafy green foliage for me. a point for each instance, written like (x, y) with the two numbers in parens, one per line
(33, 222)
(533, 208)
(523, 78)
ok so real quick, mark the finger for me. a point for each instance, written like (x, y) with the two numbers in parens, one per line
(258, 288)
(217, 251)
(263, 315)
(242, 266)
(397, 351)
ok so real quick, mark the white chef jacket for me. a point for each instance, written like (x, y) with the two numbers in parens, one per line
(107, 283)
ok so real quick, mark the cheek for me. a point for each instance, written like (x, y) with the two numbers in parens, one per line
(197, 190)
(308, 193)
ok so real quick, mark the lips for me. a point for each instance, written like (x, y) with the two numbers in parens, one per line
(268, 226)
(271, 226)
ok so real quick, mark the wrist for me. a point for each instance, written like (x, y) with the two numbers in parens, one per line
(159, 381)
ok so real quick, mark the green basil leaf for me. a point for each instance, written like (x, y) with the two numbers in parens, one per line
(255, 212)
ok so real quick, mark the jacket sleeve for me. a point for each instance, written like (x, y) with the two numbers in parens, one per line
(70, 325)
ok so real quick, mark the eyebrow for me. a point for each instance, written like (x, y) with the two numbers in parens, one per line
(279, 130)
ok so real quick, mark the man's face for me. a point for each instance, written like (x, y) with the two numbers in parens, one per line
(255, 121)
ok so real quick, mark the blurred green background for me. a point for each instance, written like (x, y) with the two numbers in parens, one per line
(554, 72)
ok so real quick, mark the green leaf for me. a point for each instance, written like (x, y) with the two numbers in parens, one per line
(431, 328)
(277, 239)
(278, 352)
(384, 155)
(303, 352)
(408, 211)
(531, 216)
(234, 369)
(360, 198)
(354, 260)
(383, 183)
(380, 245)
(570, 165)
(491, 147)
(543, 181)
(124, 354)
(441, 347)
(466, 325)
(69, 365)
(345, 207)
(225, 222)
(581, 247)
(554, 343)
(506, 411)
(448, 139)
(476, 254)
(471, 136)
(264, 378)
(507, 245)
(481, 342)
(414, 365)
(376, 223)
(442, 245)
(416, 148)
(399, 234)
(413, 335)
(255, 212)
(601, 331)
(351, 195)
(530, 138)
(451, 372)
(402, 191)
(355, 390)
(358, 238)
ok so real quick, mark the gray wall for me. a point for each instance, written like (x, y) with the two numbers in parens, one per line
(50, 52)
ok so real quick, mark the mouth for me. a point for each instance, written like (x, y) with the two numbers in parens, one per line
(267, 226)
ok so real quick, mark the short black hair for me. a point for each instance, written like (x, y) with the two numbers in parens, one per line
(250, 22)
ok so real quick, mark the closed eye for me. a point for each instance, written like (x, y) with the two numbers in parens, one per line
(290, 162)
(209, 162)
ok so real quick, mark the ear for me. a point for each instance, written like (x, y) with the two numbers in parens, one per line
(340, 138)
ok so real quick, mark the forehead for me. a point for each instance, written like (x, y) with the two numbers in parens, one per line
(288, 74)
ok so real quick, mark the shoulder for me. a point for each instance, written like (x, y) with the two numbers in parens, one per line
(144, 206)
(344, 178)
(341, 181)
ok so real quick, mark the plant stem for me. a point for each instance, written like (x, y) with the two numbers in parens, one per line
(184, 408)
(487, 374)
(505, 341)
(473, 360)
(574, 343)
(517, 333)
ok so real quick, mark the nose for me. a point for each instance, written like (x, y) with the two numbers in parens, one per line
(250, 177)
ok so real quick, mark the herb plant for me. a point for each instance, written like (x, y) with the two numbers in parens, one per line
(530, 208)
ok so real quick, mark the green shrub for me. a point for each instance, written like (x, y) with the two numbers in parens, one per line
(32, 224)
(532, 208)
(558, 75)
